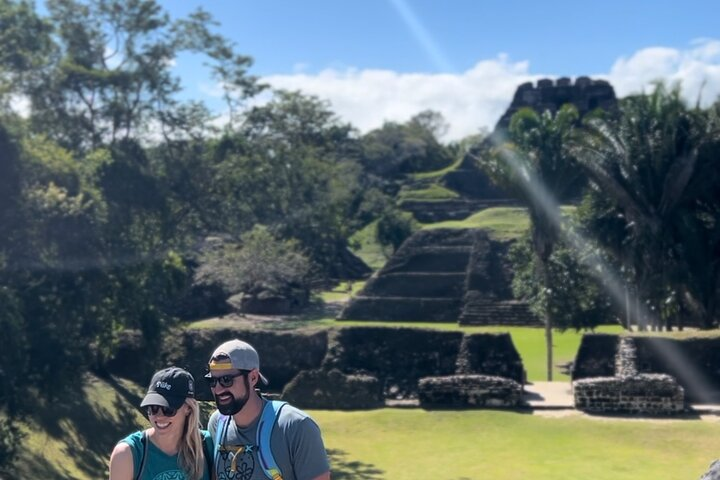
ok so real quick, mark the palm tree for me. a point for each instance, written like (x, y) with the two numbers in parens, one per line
(536, 167)
(654, 163)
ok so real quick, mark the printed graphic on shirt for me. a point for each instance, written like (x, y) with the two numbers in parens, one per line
(237, 462)
(170, 475)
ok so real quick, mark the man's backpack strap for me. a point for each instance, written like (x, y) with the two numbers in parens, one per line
(268, 418)
(144, 441)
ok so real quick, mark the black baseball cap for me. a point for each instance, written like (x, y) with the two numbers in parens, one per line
(169, 388)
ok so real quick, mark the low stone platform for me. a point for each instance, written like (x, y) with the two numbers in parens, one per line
(642, 394)
(469, 391)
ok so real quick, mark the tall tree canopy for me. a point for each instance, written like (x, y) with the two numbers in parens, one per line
(100, 71)
(656, 166)
(537, 168)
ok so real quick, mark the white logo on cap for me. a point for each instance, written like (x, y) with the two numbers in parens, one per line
(163, 385)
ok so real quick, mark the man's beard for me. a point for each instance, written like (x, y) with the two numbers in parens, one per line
(237, 404)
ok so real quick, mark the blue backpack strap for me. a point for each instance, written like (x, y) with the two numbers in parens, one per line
(219, 433)
(269, 415)
(206, 453)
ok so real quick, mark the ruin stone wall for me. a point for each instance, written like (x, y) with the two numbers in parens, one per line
(694, 361)
(334, 390)
(643, 394)
(595, 356)
(437, 285)
(395, 357)
(399, 357)
(469, 391)
(585, 94)
(402, 309)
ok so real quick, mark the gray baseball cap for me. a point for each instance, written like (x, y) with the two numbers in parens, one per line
(235, 354)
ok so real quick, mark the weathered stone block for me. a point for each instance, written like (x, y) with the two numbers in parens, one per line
(333, 390)
(473, 391)
(644, 394)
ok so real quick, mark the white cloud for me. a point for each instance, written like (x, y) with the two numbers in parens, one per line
(695, 68)
(367, 98)
(477, 98)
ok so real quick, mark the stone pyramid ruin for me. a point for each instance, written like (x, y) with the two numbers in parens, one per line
(443, 275)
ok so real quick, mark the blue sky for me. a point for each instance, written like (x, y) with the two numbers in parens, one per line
(378, 60)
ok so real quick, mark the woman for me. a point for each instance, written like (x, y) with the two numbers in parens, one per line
(173, 446)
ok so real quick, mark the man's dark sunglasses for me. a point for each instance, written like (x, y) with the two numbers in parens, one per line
(166, 411)
(225, 381)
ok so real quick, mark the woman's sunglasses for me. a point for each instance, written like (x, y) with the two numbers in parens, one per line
(226, 381)
(166, 411)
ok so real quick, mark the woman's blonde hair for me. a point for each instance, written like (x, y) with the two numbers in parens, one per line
(191, 457)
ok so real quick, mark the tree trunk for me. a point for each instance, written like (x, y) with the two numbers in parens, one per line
(543, 275)
(549, 347)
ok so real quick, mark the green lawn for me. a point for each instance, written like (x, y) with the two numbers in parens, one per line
(72, 439)
(501, 445)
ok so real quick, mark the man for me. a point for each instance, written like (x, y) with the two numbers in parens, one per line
(256, 439)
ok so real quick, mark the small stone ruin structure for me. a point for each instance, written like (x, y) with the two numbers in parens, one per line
(398, 363)
(694, 362)
(469, 391)
(585, 94)
(443, 275)
(629, 391)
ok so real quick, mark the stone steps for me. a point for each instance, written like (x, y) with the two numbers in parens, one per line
(407, 309)
(512, 313)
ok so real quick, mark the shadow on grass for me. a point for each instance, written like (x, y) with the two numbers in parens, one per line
(686, 415)
(94, 434)
(342, 468)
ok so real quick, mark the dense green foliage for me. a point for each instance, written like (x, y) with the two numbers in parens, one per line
(260, 264)
(654, 204)
(110, 182)
(574, 298)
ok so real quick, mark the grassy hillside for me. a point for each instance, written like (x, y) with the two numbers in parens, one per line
(503, 222)
(430, 193)
(72, 439)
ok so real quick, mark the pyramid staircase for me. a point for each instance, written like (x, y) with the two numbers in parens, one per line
(443, 275)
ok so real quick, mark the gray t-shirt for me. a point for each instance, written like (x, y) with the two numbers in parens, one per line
(295, 441)
(713, 473)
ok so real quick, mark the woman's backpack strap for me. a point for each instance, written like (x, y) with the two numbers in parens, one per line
(144, 441)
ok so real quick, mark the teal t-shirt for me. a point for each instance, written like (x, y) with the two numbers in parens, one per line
(158, 464)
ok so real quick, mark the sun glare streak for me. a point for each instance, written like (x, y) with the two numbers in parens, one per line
(612, 282)
(422, 36)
